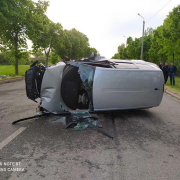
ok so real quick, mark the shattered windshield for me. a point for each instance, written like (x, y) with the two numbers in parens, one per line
(86, 74)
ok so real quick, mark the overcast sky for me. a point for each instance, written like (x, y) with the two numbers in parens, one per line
(105, 22)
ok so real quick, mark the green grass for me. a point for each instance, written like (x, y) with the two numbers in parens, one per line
(10, 70)
(177, 84)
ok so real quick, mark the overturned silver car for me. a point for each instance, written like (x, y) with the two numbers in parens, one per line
(97, 84)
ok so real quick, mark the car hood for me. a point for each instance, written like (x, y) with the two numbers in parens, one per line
(51, 87)
(51, 90)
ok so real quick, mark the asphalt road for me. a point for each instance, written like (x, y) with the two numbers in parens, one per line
(146, 144)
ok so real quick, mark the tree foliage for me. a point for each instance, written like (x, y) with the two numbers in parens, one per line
(47, 37)
(159, 44)
(75, 45)
(54, 58)
(22, 20)
(90, 50)
(14, 20)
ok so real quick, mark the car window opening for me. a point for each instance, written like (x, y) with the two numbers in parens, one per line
(76, 87)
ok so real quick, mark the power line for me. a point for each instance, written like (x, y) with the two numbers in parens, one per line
(154, 15)
(159, 10)
(160, 19)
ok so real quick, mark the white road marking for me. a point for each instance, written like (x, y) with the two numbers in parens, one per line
(11, 137)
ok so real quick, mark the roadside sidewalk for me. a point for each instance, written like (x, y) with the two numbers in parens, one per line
(172, 92)
(11, 80)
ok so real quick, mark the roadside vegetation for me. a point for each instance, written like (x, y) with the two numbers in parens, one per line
(159, 44)
(177, 85)
(9, 70)
(22, 20)
(52, 43)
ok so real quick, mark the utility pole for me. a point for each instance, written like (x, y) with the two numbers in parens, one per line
(125, 46)
(126, 41)
(142, 37)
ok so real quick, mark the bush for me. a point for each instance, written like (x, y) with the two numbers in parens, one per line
(54, 58)
(3, 59)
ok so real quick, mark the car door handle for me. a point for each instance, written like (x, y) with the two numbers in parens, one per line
(156, 89)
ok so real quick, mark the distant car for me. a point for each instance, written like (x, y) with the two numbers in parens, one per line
(96, 85)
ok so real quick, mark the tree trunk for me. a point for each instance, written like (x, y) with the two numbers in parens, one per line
(47, 55)
(16, 66)
(16, 53)
(47, 59)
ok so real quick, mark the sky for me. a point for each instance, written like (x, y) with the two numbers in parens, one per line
(105, 22)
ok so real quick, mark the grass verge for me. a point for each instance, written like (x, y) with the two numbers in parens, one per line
(177, 84)
(173, 89)
(10, 70)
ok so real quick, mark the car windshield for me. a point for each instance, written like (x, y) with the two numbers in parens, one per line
(86, 74)
(77, 84)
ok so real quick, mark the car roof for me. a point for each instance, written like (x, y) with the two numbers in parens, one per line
(120, 64)
(140, 64)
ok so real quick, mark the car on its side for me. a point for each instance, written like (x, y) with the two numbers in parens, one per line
(99, 85)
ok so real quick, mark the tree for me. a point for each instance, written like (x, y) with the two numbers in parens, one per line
(46, 36)
(64, 49)
(116, 56)
(159, 44)
(14, 20)
(171, 32)
(37, 56)
(90, 50)
(156, 51)
(54, 58)
(149, 31)
(146, 47)
(134, 49)
(129, 40)
(3, 59)
(122, 51)
(79, 44)
(75, 45)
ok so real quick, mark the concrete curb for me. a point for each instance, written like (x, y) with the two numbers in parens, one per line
(172, 94)
(11, 80)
